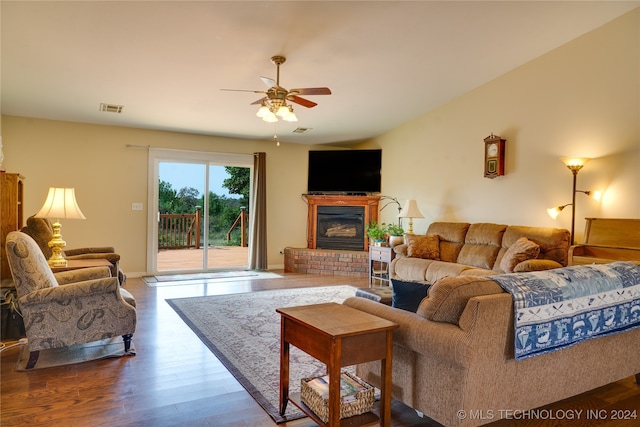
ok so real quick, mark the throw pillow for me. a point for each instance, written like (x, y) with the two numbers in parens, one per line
(423, 246)
(522, 250)
(408, 295)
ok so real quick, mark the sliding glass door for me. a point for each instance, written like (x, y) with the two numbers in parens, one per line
(199, 210)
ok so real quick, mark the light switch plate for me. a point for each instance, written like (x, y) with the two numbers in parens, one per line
(136, 206)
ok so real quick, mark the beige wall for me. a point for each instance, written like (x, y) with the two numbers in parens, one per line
(581, 99)
(108, 177)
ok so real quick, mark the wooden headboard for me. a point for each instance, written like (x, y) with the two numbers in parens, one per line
(607, 240)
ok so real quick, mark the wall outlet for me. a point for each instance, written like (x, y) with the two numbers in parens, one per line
(136, 206)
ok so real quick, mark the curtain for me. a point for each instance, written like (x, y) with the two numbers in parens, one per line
(258, 216)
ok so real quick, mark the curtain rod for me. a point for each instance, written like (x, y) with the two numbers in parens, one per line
(137, 146)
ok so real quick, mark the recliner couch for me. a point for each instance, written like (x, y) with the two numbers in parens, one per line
(480, 249)
(70, 307)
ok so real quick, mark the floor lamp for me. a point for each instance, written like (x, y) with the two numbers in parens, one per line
(574, 164)
(60, 203)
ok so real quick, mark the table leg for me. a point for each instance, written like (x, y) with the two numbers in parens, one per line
(385, 376)
(335, 356)
(284, 370)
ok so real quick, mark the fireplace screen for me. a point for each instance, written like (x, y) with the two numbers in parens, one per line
(340, 227)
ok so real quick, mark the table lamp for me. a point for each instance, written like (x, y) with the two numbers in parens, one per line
(60, 203)
(410, 210)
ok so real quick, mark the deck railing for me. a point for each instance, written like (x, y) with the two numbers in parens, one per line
(179, 231)
(241, 221)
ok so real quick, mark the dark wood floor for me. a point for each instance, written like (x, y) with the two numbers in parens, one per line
(174, 380)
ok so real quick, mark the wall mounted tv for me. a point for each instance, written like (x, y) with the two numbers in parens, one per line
(344, 171)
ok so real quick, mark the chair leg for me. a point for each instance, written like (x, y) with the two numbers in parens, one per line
(33, 359)
(638, 379)
(127, 342)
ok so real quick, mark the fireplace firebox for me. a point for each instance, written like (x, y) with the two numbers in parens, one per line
(340, 227)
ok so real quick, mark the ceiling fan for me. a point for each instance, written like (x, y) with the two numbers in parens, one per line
(274, 103)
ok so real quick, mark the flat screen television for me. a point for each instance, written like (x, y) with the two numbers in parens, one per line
(344, 171)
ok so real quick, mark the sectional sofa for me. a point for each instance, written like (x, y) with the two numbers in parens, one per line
(457, 354)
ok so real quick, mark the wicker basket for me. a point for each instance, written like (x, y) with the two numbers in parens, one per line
(363, 402)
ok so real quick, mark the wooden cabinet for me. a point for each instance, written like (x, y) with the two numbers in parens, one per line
(11, 213)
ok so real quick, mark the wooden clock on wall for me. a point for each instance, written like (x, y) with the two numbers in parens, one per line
(494, 156)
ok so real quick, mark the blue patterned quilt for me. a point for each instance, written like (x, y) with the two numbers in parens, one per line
(554, 309)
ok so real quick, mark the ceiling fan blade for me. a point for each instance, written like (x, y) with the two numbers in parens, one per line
(243, 90)
(269, 82)
(301, 101)
(259, 101)
(312, 91)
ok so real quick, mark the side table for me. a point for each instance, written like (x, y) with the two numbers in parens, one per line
(380, 258)
(337, 335)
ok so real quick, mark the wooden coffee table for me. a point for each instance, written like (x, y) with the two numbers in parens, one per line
(337, 335)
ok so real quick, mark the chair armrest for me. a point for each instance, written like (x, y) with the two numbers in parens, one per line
(112, 258)
(81, 251)
(400, 250)
(536, 265)
(74, 276)
(62, 294)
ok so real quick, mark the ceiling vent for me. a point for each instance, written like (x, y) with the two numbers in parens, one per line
(111, 108)
(302, 130)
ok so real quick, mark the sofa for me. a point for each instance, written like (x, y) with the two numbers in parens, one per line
(453, 359)
(463, 249)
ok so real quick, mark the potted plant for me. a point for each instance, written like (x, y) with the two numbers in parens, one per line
(376, 233)
(396, 234)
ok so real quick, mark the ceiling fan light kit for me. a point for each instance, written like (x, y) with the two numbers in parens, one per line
(274, 104)
(269, 112)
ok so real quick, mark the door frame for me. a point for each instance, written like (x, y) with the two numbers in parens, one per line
(207, 158)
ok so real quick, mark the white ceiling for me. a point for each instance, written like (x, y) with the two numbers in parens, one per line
(166, 61)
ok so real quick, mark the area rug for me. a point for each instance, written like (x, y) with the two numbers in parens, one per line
(78, 353)
(222, 276)
(243, 331)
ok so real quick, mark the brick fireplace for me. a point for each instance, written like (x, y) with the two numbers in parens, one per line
(336, 241)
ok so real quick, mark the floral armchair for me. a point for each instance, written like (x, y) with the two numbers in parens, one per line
(70, 307)
(41, 231)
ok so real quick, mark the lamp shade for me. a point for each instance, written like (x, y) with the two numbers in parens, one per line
(575, 161)
(60, 203)
(270, 117)
(410, 210)
(263, 111)
(554, 212)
